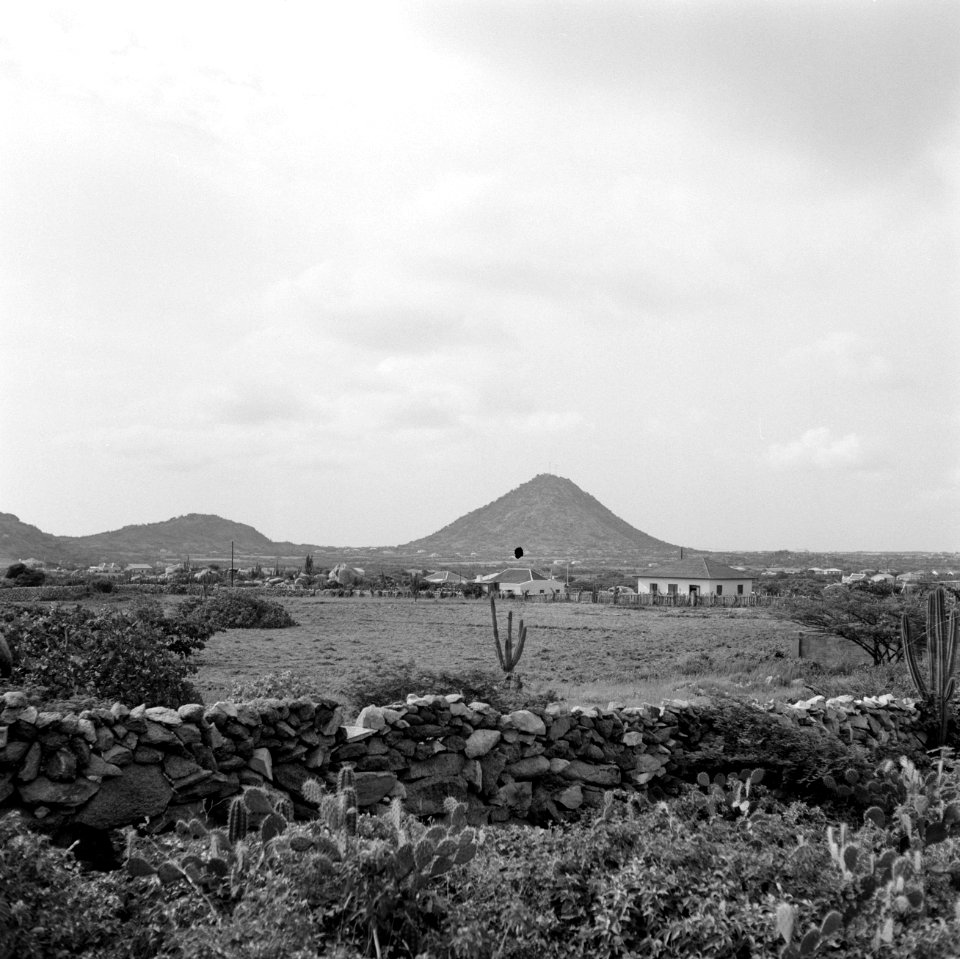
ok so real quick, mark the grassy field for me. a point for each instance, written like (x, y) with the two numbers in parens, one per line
(587, 654)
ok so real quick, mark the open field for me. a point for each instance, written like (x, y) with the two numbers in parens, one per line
(587, 654)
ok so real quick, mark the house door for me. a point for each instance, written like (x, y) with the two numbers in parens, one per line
(694, 595)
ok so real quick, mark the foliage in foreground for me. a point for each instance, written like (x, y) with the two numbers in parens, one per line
(131, 656)
(696, 876)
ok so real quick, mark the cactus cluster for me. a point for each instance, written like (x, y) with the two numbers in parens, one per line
(729, 794)
(227, 851)
(816, 936)
(508, 654)
(942, 634)
(887, 887)
(408, 850)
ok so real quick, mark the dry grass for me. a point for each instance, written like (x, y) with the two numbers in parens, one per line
(588, 654)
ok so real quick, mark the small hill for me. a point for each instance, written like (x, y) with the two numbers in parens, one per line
(551, 518)
(196, 534)
(20, 540)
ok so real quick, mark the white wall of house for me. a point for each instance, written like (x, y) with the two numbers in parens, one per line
(533, 587)
(705, 587)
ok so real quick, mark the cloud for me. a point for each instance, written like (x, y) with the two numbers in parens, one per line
(865, 86)
(854, 359)
(818, 448)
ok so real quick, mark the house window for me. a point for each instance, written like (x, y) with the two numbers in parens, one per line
(739, 589)
(654, 588)
(672, 588)
(719, 590)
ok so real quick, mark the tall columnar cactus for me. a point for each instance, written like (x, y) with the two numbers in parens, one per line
(507, 654)
(238, 820)
(347, 798)
(6, 658)
(942, 635)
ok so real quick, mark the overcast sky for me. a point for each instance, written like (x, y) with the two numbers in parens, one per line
(348, 271)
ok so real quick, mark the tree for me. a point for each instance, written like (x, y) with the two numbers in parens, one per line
(23, 575)
(868, 616)
(308, 565)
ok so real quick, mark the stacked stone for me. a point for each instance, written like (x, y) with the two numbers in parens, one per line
(515, 765)
(117, 766)
(873, 722)
(275, 742)
(110, 767)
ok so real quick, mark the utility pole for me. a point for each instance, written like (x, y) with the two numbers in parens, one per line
(231, 563)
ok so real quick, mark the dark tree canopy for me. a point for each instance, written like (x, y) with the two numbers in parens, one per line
(869, 617)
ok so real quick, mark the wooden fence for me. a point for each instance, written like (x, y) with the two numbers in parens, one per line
(654, 599)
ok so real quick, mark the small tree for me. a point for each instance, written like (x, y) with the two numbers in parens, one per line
(868, 617)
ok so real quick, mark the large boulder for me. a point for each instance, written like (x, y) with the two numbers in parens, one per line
(141, 792)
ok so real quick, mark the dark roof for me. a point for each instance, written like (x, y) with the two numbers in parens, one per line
(696, 567)
(443, 576)
(518, 575)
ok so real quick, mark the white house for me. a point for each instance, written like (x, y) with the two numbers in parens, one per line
(698, 576)
(854, 578)
(517, 581)
(443, 577)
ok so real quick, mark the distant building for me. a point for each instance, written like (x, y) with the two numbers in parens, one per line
(698, 576)
(519, 581)
(854, 578)
(443, 577)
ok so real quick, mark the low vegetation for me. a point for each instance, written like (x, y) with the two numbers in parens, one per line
(796, 844)
(141, 654)
(724, 869)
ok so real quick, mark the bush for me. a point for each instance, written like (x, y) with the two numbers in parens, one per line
(111, 656)
(237, 610)
(47, 908)
(280, 685)
(185, 630)
(734, 735)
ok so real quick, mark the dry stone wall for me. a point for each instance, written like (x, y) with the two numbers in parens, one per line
(107, 768)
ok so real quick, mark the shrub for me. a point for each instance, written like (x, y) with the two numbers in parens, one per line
(237, 610)
(185, 631)
(284, 684)
(105, 655)
(47, 908)
(14, 570)
(735, 735)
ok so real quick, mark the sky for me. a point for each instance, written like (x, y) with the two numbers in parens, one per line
(347, 271)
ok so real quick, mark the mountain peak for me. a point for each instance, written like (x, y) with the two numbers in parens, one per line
(550, 517)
